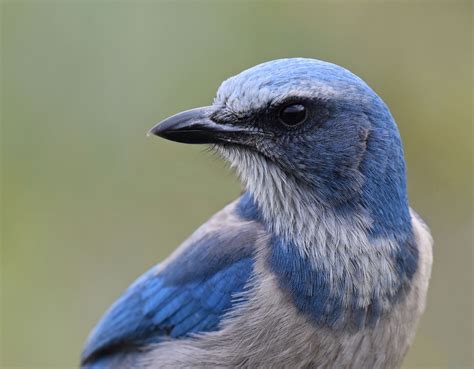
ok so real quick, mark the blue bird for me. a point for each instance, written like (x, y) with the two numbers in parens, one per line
(320, 263)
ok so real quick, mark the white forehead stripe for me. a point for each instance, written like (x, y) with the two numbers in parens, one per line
(270, 82)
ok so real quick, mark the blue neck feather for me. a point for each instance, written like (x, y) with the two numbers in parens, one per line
(383, 197)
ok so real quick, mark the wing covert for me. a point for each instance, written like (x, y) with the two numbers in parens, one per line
(188, 293)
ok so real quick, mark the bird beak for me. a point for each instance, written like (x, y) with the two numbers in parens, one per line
(195, 126)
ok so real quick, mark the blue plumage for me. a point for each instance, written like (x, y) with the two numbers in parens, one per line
(318, 262)
(305, 278)
(188, 295)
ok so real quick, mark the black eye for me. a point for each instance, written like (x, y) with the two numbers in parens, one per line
(292, 115)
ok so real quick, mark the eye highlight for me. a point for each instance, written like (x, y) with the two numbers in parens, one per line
(292, 115)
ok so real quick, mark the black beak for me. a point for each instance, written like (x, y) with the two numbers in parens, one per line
(195, 126)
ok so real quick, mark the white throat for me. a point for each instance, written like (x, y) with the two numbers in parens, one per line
(289, 210)
(325, 239)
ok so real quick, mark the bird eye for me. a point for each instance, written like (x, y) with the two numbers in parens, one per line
(292, 115)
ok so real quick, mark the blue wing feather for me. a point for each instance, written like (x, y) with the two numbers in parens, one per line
(190, 294)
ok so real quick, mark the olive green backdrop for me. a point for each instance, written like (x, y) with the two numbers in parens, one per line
(89, 202)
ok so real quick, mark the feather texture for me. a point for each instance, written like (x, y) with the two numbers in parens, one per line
(188, 294)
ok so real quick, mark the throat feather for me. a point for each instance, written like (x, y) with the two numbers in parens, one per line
(334, 269)
(341, 277)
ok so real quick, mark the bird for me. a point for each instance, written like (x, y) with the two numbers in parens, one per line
(319, 263)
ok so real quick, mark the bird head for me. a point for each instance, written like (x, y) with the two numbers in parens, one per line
(310, 124)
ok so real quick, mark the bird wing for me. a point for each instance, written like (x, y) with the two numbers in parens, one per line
(187, 293)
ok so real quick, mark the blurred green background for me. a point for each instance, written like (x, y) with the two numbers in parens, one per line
(89, 202)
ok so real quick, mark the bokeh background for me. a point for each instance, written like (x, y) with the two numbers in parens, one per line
(89, 202)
